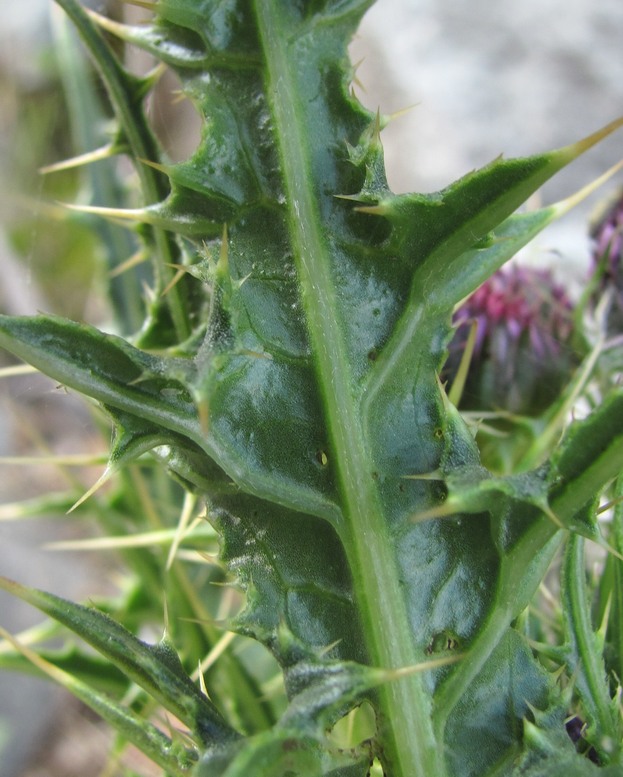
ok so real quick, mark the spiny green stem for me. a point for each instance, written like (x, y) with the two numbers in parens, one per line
(84, 108)
(405, 706)
(142, 146)
(591, 679)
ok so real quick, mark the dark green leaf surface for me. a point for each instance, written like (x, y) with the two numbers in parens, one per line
(306, 403)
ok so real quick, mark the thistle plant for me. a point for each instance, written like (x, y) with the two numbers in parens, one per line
(607, 235)
(523, 353)
(286, 376)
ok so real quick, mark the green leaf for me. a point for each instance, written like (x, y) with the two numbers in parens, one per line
(550, 750)
(155, 668)
(175, 758)
(298, 388)
(286, 753)
(299, 595)
(591, 456)
(93, 671)
(487, 722)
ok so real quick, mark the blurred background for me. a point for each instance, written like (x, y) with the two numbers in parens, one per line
(481, 79)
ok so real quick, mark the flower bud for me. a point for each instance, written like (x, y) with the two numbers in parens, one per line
(607, 237)
(522, 355)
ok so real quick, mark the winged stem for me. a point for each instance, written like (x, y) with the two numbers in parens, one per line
(410, 742)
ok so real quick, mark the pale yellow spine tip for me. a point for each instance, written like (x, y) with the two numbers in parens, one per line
(105, 152)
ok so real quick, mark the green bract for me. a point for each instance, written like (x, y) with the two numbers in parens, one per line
(291, 379)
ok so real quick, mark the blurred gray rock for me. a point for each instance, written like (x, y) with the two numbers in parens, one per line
(490, 78)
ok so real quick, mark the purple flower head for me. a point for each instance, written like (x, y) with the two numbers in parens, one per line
(607, 236)
(522, 355)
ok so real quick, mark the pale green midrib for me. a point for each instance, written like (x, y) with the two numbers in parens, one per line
(406, 706)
